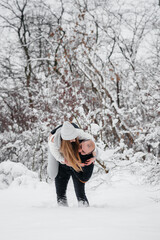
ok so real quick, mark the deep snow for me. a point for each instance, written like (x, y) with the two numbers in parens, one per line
(120, 208)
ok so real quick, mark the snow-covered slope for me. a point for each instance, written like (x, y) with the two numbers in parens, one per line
(120, 208)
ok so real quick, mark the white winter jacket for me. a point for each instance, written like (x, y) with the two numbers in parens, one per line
(54, 147)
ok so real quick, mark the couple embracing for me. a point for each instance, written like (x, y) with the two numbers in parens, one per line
(72, 153)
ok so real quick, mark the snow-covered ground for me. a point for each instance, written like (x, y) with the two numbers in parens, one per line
(121, 208)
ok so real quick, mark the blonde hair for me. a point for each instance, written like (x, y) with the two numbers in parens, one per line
(71, 154)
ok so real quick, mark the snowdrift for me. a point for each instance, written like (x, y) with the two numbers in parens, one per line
(15, 173)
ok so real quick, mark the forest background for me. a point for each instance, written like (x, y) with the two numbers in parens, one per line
(96, 63)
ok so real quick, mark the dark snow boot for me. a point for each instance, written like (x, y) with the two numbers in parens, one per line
(62, 202)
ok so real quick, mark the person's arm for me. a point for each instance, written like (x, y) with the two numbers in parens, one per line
(90, 159)
(88, 162)
(55, 150)
(84, 135)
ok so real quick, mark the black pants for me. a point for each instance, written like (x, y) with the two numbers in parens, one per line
(79, 180)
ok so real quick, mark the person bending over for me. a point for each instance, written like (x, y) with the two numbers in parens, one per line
(74, 150)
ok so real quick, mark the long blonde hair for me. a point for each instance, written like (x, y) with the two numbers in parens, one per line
(71, 154)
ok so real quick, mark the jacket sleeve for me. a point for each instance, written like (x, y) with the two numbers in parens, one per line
(84, 136)
(55, 150)
(97, 156)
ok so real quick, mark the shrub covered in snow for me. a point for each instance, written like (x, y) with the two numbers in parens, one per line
(99, 69)
(10, 172)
